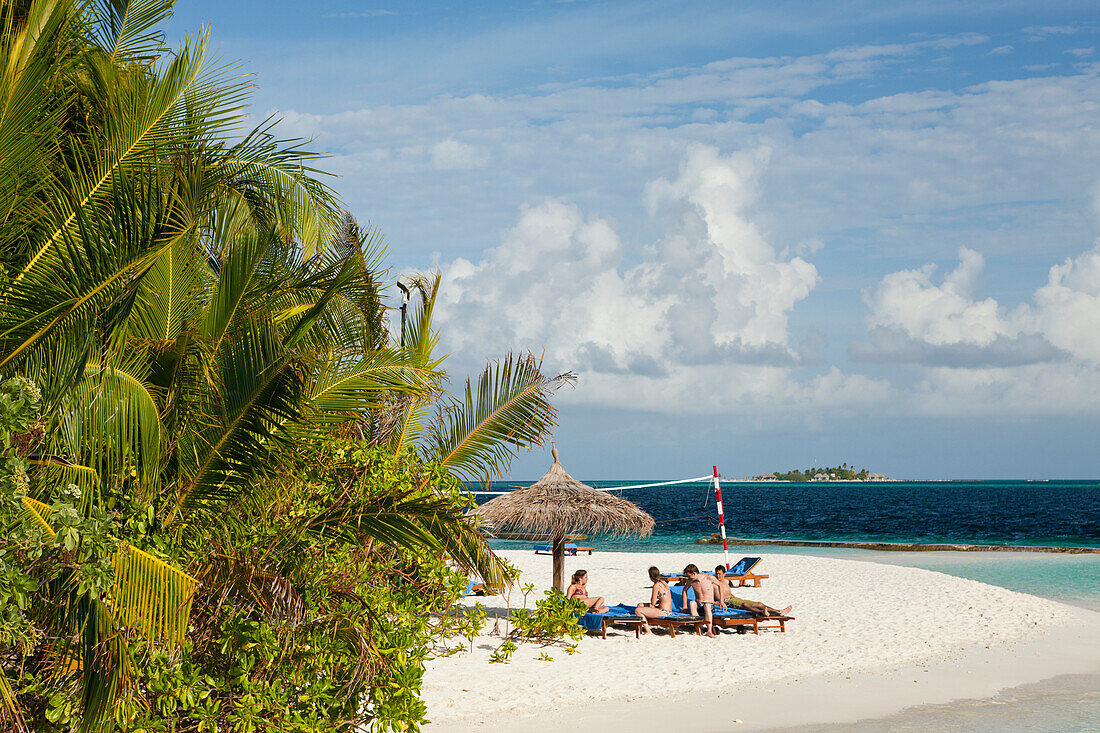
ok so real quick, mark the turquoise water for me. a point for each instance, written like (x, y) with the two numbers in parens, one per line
(1069, 578)
(1067, 704)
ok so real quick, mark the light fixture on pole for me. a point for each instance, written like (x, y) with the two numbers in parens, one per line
(404, 304)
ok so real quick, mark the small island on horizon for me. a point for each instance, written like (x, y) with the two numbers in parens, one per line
(843, 472)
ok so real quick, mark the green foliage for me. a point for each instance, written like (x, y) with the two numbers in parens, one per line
(844, 472)
(553, 621)
(217, 395)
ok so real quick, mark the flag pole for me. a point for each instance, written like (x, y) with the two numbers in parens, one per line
(721, 516)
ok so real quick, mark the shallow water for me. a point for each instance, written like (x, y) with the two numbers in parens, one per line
(1066, 704)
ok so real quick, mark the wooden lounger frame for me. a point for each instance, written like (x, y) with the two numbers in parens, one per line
(744, 580)
(737, 581)
(758, 623)
(634, 622)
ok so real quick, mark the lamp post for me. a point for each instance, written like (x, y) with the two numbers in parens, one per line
(404, 304)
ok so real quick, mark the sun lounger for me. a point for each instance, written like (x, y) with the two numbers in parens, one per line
(740, 573)
(620, 615)
(570, 549)
(725, 617)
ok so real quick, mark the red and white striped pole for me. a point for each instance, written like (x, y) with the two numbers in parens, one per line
(721, 516)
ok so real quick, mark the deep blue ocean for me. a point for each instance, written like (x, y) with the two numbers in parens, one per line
(978, 512)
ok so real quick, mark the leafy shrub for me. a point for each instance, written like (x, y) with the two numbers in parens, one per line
(553, 621)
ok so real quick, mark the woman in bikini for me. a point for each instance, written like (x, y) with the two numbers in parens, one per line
(660, 600)
(579, 589)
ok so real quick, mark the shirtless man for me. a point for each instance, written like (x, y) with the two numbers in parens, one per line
(722, 590)
(705, 593)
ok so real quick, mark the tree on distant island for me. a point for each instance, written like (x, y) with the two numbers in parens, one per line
(843, 472)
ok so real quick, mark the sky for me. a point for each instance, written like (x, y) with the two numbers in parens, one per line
(763, 235)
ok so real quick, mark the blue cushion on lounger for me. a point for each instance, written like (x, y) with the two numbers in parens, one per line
(678, 603)
(717, 611)
(594, 621)
(569, 547)
(743, 566)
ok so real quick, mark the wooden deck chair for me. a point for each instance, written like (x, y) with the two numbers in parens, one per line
(741, 575)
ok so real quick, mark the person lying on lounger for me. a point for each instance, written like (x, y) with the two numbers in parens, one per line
(579, 589)
(754, 607)
(660, 600)
(705, 593)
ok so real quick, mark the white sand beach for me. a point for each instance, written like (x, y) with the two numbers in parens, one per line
(869, 639)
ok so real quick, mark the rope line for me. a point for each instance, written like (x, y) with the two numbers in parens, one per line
(617, 488)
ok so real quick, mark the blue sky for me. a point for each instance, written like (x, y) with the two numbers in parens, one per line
(763, 235)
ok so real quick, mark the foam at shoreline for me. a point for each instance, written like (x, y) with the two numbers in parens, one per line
(855, 621)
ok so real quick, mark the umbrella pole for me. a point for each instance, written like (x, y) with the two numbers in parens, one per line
(559, 563)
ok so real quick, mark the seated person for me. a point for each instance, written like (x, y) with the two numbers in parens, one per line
(705, 593)
(660, 600)
(754, 607)
(579, 589)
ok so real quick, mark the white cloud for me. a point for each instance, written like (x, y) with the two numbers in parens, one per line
(695, 321)
(453, 155)
(698, 298)
(1001, 50)
(1040, 357)
(937, 314)
(1080, 52)
(1042, 32)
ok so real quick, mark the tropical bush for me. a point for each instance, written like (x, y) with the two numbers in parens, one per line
(230, 495)
(552, 622)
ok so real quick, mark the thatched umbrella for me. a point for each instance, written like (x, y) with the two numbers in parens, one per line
(557, 505)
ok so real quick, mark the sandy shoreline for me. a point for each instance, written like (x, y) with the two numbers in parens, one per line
(870, 639)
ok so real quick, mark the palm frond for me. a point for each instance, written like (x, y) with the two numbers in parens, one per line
(477, 437)
(262, 168)
(340, 389)
(469, 549)
(251, 584)
(125, 29)
(116, 419)
(51, 472)
(144, 121)
(410, 414)
(11, 717)
(149, 595)
(260, 390)
(31, 107)
(171, 294)
(397, 521)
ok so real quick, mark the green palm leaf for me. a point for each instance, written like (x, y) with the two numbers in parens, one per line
(125, 28)
(144, 120)
(477, 437)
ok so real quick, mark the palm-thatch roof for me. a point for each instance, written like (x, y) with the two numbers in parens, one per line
(558, 504)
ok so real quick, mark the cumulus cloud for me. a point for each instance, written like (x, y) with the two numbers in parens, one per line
(1041, 356)
(911, 302)
(697, 320)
